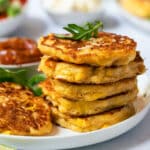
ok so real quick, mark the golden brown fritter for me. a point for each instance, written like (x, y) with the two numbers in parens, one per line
(88, 74)
(106, 50)
(84, 108)
(95, 122)
(21, 113)
(139, 8)
(84, 92)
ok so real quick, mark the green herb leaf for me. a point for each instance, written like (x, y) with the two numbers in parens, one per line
(20, 77)
(13, 11)
(33, 82)
(82, 33)
(3, 5)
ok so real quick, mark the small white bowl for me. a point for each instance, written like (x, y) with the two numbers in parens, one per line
(74, 17)
(10, 24)
(30, 67)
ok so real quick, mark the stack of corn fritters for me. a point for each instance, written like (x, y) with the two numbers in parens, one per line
(90, 83)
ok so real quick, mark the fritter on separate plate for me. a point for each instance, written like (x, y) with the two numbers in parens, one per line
(106, 50)
(22, 113)
(84, 92)
(139, 8)
(84, 108)
(94, 122)
(88, 74)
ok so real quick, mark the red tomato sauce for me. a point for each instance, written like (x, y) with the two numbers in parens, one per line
(19, 51)
(23, 1)
(3, 16)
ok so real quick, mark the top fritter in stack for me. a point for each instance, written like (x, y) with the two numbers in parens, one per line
(91, 83)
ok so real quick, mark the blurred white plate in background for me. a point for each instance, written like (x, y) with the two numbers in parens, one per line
(67, 15)
(10, 24)
(142, 23)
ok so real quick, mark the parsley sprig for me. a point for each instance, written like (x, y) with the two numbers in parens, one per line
(81, 32)
(20, 77)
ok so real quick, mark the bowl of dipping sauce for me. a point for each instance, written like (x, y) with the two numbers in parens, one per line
(12, 14)
(19, 53)
(64, 12)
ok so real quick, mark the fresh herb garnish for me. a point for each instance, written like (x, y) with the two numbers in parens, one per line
(33, 82)
(3, 5)
(13, 10)
(10, 7)
(82, 32)
(20, 77)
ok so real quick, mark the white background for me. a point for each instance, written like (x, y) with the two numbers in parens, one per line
(38, 23)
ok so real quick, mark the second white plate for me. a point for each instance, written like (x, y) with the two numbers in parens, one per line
(135, 20)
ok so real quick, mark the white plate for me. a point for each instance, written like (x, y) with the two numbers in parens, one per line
(63, 138)
(73, 17)
(135, 20)
(10, 24)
